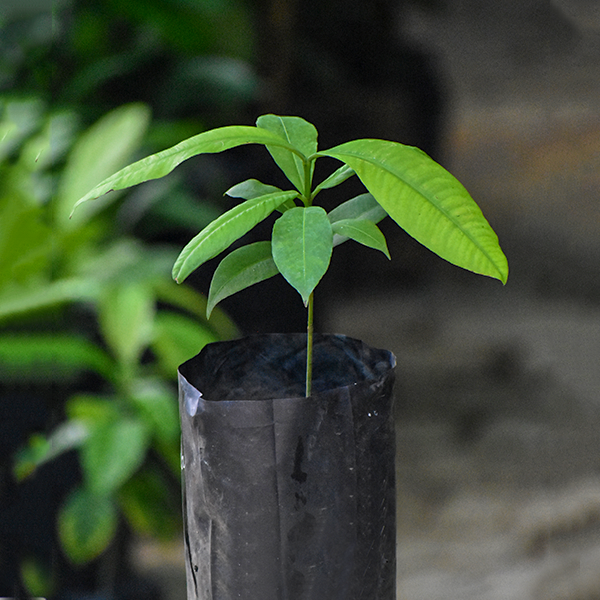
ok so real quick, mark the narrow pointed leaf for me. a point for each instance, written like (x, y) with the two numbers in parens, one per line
(298, 133)
(226, 229)
(302, 244)
(427, 202)
(362, 231)
(161, 164)
(337, 177)
(240, 269)
(251, 188)
(359, 207)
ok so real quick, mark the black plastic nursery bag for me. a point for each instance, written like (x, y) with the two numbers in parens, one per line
(287, 497)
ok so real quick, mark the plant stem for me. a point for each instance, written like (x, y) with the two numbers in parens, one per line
(309, 346)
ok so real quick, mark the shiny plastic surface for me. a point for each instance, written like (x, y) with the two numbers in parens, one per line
(286, 497)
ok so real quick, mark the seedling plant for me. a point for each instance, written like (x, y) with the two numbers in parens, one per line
(401, 181)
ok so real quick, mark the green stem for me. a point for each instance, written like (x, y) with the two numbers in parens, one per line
(309, 346)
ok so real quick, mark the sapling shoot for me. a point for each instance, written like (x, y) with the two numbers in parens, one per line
(401, 181)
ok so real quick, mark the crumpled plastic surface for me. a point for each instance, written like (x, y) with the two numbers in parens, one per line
(287, 497)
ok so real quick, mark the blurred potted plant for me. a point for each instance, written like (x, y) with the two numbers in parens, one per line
(92, 329)
(288, 439)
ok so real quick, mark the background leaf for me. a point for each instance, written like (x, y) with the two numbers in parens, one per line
(104, 148)
(298, 133)
(190, 300)
(126, 312)
(86, 525)
(18, 302)
(427, 202)
(240, 269)
(302, 245)
(149, 507)
(68, 435)
(50, 357)
(178, 338)
(113, 452)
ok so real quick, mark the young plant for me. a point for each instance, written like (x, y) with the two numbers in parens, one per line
(401, 181)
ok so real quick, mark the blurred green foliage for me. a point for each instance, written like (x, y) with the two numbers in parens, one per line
(88, 309)
(81, 296)
(183, 58)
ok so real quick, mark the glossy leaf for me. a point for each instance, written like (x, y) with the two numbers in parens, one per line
(338, 176)
(240, 269)
(251, 188)
(427, 202)
(161, 164)
(225, 230)
(87, 522)
(363, 206)
(302, 245)
(298, 133)
(362, 231)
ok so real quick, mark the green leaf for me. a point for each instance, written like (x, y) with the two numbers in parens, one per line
(99, 152)
(427, 202)
(240, 269)
(40, 450)
(87, 522)
(190, 300)
(156, 404)
(363, 206)
(148, 505)
(50, 357)
(225, 230)
(24, 300)
(162, 163)
(302, 245)
(38, 577)
(251, 188)
(337, 177)
(25, 240)
(362, 231)
(126, 312)
(178, 338)
(298, 133)
(92, 409)
(113, 452)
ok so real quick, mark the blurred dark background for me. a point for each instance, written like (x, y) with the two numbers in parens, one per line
(505, 95)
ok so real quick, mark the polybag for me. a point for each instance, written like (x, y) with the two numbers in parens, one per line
(287, 497)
